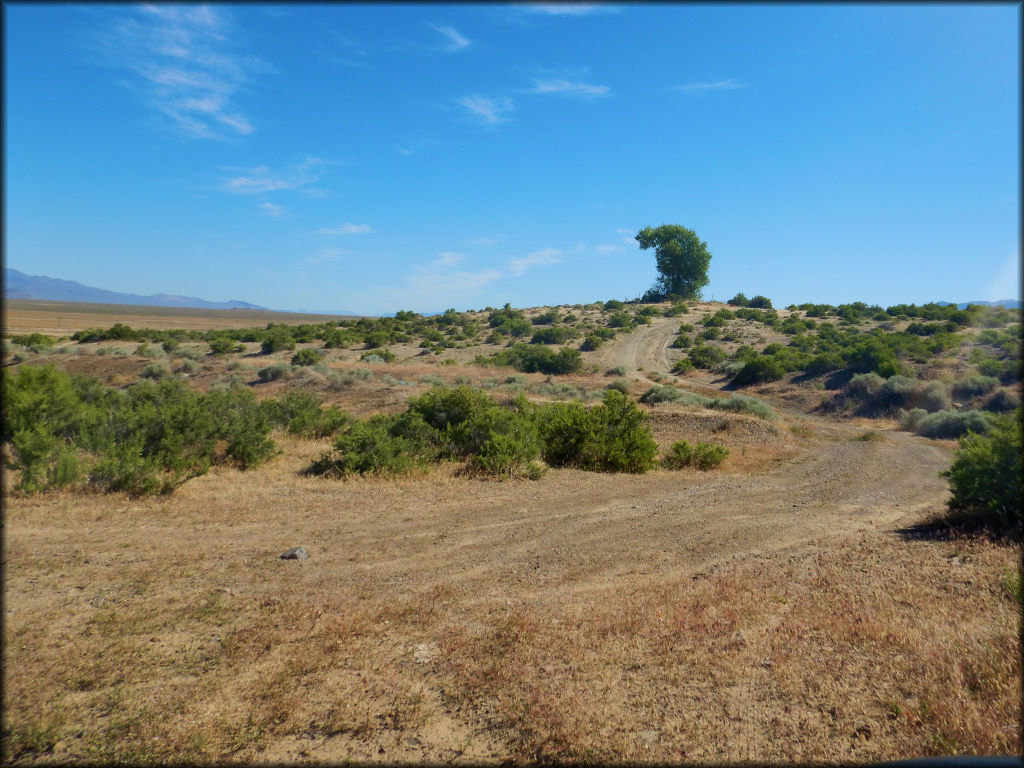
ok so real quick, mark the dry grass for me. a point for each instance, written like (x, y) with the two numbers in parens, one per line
(770, 610)
(808, 657)
(62, 318)
(441, 619)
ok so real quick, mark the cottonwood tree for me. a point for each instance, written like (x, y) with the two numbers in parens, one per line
(682, 259)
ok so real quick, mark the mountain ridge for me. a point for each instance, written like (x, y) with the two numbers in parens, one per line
(18, 285)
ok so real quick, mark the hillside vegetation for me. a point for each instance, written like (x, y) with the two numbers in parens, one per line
(682, 531)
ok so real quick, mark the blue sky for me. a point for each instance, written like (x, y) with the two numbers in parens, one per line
(382, 157)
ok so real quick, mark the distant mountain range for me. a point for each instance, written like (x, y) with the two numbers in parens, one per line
(18, 285)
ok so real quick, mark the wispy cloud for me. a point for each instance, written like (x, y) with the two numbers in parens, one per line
(346, 51)
(270, 209)
(568, 87)
(185, 65)
(456, 42)
(608, 250)
(566, 9)
(627, 237)
(447, 259)
(487, 111)
(325, 255)
(721, 85)
(260, 180)
(345, 229)
(429, 287)
(520, 265)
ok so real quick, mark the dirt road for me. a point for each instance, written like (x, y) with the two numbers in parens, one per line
(646, 347)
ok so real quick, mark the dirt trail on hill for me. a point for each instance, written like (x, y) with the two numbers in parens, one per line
(645, 347)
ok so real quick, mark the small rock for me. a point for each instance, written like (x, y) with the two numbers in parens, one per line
(413, 742)
(424, 653)
(295, 553)
(766, 661)
(649, 736)
(739, 638)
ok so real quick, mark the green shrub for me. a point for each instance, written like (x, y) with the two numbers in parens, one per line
(555, 334)
(620, 320)
(505, 315)
(45, 460)
(945, 424)
(620, 384)
(144, 350)
(546, 318)
(933, 396)
(300, 413)
(155, 371)
(864, 386)
(383, 445)
(306, 356)
(533, 359)
(743, 404)
(873, 356)
(1003, 400)
(223, 345)
(189, 354)
(739, 300)
(277, 339)
(148, 438)
(591, 342)
(34, 340)
(510, 441)
(125, 469)
(378, 356)
(611, 437)
(618, 370)
(661, 394)
(682, 366)
(824, 363)
(274, 372)
(709, 334)
(899, 391)
(985, 478)
(706, 356)
(447, 409)
(758, 370)
(730, 369)
(703, 456)
(973, 386)
(745, 354)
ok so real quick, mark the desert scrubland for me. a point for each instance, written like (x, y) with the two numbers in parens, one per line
(804, 597)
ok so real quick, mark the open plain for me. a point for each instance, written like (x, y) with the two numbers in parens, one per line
(791, 605)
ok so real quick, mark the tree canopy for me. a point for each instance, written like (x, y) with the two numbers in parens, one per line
(682, 259)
